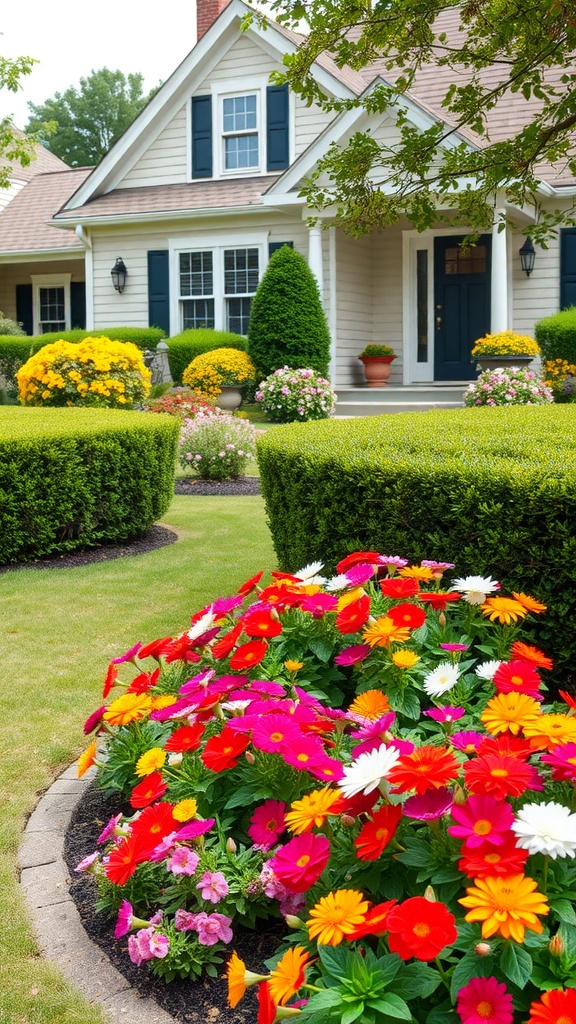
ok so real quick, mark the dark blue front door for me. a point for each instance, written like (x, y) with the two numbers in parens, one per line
(461, 304)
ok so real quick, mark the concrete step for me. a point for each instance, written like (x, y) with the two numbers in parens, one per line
(364, 401)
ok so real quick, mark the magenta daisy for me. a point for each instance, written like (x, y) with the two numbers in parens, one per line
(485, 1001)
(319, 604)
(328, 769)
(481, 819)
(430, 805)
(267, 824)
(305, 752)
(274, 732)
(445, 714)
(467, 740)
(563, 762)
(352, 655)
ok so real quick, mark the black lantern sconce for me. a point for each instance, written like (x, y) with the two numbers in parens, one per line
(119, 273)
(527, 255)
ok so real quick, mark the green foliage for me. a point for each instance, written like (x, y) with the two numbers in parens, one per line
(81, 125)
(556, 335)
(14, 147)
(287, 323)
(184, 347)
(10, 327)
(187, 958)
(481, 487)
(78, 478)
(372, 351)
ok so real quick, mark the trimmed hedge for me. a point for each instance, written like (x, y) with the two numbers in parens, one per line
(184, 347)
(491, 489)
(556, 335)
(79, 478)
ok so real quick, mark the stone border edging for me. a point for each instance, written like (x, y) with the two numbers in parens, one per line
(61, 937)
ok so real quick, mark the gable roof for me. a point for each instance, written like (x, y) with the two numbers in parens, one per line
(25, 222)
(41, 162)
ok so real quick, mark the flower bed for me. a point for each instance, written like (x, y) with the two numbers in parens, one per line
(371, 757)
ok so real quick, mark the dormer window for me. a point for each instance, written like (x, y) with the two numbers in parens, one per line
(240, 132)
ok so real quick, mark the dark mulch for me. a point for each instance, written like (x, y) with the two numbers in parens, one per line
(202, 1002)
(244, 485)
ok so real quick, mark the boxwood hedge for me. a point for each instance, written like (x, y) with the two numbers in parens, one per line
(491, 489)
(556, 335)
(184, 347)
(79, 478)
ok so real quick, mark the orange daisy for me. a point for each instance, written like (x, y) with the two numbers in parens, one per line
(312, 810)
(127, 708)
(504, 610)
(417, 572)
(288, 975)
(506, 906)
(529, 603)
(384, 632)
(239, 979)
(87, 759)
(371, 704)
(425, 768)
(532, 655)
(557, 1005)
(510, 712)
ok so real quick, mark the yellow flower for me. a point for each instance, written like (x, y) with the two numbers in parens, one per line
(405, 659)
(288, 975)
(506, 906)
(510, 712)
(127, 708)
(185, 810)
(503, 609)
(86, 759)
(371, 704)
(549, 731)
(384, 631)
(336, 915)
(349, 597)
(293, 666)
(417, 572)
(164, 700)
(151, 761)
(312, 810)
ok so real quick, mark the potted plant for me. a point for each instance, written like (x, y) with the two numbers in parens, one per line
(221, 374)
(377, 361)
(504, 349)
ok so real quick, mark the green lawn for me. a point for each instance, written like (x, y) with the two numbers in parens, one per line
(60, 627)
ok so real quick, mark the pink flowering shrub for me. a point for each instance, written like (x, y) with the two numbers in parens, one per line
(514, 385)
(287, 395)
(373, 756)
(216, 445)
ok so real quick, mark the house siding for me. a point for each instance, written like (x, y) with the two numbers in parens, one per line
(166, 160)
(12, 274)
(538, 295)
(354, 292)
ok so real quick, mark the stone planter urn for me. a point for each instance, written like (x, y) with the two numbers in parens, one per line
(230, 397)
(493, 362)
(377, 370)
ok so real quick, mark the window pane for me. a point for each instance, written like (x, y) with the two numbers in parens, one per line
(238, 315)
(241, 151)
(239, 113)
(240, 271)
(422, 305)
(52, 308)
(469, 261)
(197, 313)
(196, 273)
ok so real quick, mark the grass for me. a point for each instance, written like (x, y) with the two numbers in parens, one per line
(60, 629)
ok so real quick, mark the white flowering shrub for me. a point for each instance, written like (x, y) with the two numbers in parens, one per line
(515, 385)
(216, 445)
(289, 394)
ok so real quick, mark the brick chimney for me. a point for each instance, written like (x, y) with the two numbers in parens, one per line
(206, 13)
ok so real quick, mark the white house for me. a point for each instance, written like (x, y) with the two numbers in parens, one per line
(205, 184)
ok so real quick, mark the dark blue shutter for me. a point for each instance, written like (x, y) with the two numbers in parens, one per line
(567, 267)
(78, 304)
(277, 127)
(24, 307)
(159, 289)
(274, 246)
(201, 136)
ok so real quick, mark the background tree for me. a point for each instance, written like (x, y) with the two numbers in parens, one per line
(287, 323)
(14, 148)
(530, 43)
(88, 120)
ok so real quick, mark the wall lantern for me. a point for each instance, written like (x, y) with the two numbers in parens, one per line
(527, 254)
(119, 273)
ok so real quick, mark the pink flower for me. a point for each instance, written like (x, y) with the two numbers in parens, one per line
(319, 604)
(213, 886)
(124, 921)
(430, 805)
(194, 829)
(300, 863)
(213, 928)
(146, 945)
(468, 741)
(359, 574)
(273, 732)
(182, 861)
(454, 647)
(563, 762)
(93, 720)
(184, 921)
(267, 823)
(272, 886)
(481, 819)
(109, 830)
(87, 862)
(485, 1001)
(352, 655)
(445, 714)
(129, 656)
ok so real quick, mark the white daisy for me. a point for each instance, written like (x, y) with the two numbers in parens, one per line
(441, 679)
(368, 770)
(309, 574)
(338, 582)
(546, 828)
(475, 589)
(202, 626)
(487, 670)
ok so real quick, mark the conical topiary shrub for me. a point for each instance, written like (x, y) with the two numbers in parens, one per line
(287, 323)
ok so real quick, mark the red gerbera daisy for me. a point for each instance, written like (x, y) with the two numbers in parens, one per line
(111, 677)
(248, 655)
(266, 1005)
(300, 863)
(156, 648)
(502, 775)
(568, 698)
(222, 752)
(153, 824)
(263, 622)
(398, 587)
(487, 861)
(420, 928)
(425, 768)
(123, 860)
(187, 737)
(144, 682)
(439, 601)
(223, 646)
(377, 833)
(354, 616)
(374, 922)
(250, 584)
(407, 615)
(150, 789)
(558, 1005)
(505, 744)
(357, 558)
(517, 677)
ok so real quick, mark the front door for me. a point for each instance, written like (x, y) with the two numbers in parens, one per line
(461, 304)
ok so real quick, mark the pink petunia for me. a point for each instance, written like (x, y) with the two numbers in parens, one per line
(267, 824)
(184, 921)
(124, 920)
(147, 944)
(109, 830)
(213, 928)
(213, 886)
(182, 861)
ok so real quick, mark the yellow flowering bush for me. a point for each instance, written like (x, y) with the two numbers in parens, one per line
(561, 378)
(506, 343)
(92, 372)
(210, 371)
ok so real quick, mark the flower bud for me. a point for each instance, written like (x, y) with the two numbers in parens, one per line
(175, 760)
(347, 820)
(230, 845)
(442, 620)
(294, 922)
(483, 948)
(459, 795)
(429, 894)
(556, 946)
(249, 757)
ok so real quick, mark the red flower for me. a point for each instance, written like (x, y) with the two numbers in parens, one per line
(488, 861)
(357, 558)
(250, 584)
(222, 752)
(144, 682)
(439, 601)
(354, 616)
(150, 789)
(281, 597)
(407, 615)
(377, 833)
(156, 648)
(425, 768)
(558, 1005)
(187, 737)
(153, 824)
(300, 863)
(223, 646)
(123, 860)
(262, 622)
(374, 922)
(568, 699)
(420, 928)
(505, 744)
(399, 588)
(111, 677)
(502, 775)
(266, 1005)
(517, 677)
(248, 655)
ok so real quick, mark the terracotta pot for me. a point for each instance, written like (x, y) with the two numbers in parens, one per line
(377, 370)
(493, 362)
(230, 397)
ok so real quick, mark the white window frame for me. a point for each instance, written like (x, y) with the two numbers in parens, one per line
(253, 86)
(193, 298)
(50, 281)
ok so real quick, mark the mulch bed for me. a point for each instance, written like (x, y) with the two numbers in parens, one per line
(201, 1002)
(244, 485)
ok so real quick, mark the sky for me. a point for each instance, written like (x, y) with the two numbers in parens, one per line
(71, 38)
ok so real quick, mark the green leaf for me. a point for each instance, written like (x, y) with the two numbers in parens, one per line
(416, 981)
(564, 910)
(324, 1000)
(516, 963)
(392, 1005)
(470, 966)
(336, 960)
(321, 649)
(352, 1013)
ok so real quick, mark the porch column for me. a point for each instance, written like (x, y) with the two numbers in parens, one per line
(315, 255)
(499, 277)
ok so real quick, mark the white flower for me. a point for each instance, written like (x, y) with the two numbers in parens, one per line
(202, 625)
(487, 670)
(546, 828)
(475, 589)
(441, 679)
(368, 770)
(309, 574)
(338, 582)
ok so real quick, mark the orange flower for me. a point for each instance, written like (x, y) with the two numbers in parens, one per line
(506, 906)
(503, 609)
(529, 603)
(510, 712)
(312, 810)
(86, 759)
(127, 708)
(425, 768)
(371, 704)
(384, 632)
(288, 975)
(551, 731)
(375, 835)
(239, 979)
(532, 655)
(417, 572)
(555, 1007)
